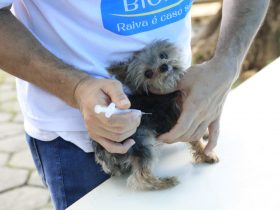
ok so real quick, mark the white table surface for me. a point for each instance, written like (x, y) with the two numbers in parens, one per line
(247, 176)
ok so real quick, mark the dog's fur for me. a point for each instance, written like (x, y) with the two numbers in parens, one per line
(158, 66)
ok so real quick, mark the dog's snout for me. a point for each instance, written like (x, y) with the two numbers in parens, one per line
(149, 73)
(163, 68)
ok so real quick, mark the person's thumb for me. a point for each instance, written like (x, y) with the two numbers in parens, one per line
(115, 91)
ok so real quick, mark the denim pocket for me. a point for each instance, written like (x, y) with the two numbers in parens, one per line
(36, 157)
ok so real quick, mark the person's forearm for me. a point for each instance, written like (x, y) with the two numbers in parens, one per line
(24, 57)
(241, 20)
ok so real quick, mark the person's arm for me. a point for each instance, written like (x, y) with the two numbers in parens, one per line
(24, 57)
(206, 86)
(241, 20)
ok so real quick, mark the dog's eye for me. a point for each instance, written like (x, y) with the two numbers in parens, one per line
(149, 73)
(163, 55)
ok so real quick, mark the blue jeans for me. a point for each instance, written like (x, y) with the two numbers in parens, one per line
(68, 172)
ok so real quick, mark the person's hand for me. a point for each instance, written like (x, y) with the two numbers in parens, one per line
(109, 132)
(204, 89)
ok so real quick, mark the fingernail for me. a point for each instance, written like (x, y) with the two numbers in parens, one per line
(124, 102)
(131, 142)
(207, 153)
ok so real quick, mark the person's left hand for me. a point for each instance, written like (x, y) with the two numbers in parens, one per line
(204, 87)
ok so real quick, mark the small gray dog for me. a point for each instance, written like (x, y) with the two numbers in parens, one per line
(159, 67)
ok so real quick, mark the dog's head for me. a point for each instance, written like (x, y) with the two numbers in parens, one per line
(157, 67)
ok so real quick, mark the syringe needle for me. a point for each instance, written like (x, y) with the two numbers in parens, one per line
(145, 113)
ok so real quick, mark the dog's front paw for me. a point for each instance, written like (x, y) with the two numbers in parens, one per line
(203, 158)
(212, 158)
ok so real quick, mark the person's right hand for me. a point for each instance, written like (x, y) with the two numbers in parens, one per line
(109, 132)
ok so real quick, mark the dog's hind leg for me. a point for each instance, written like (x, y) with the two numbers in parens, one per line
(143, 156)
(142, 178)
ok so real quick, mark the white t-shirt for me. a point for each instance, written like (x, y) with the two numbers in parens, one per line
(89, 35)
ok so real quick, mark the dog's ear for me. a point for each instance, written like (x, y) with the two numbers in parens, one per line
(118, 70)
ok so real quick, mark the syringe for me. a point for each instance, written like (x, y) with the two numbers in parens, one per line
(111, 109)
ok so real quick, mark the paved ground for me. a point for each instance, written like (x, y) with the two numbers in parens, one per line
(20, 186)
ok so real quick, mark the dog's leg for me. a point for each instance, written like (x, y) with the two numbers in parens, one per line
(142, 162)
(199, 156)
(142, 178)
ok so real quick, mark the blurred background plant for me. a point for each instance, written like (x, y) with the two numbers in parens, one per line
(206, 19)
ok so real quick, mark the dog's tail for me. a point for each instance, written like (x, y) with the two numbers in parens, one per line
(142, 178)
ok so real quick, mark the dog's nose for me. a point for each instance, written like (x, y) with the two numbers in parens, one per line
(163, 68)
(149, 73)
